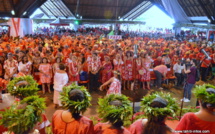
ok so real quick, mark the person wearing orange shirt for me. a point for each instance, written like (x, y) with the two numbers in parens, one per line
(71, 121)
(115, 110)
(206, 63)
(202, 121)
(213, 66)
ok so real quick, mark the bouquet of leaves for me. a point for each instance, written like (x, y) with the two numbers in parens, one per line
(201, 93)
(21, 120)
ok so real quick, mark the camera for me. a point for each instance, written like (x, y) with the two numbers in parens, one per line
(186, 63)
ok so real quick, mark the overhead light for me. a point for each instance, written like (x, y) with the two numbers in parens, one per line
(209, 20)
(6, 18)
(24, 13)
(119, 17)
(13, 12)
(77, 15)
(81, 17)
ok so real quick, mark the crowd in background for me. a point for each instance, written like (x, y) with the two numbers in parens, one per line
(94, 60)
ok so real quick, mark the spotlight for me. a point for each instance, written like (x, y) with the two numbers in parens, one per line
(77, 15)
(209, 20)
(13, 12)
(24, 13)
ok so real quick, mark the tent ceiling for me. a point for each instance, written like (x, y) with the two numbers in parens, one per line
(102, 9)
(22, 8)
(56, 8)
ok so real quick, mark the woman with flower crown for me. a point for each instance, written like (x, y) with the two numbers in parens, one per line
(156, 108)
(204, 119)
(76, 100)
(115, 84)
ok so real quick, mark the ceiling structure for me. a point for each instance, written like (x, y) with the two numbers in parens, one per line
(19, 8)
(196, 10)
(56, 8)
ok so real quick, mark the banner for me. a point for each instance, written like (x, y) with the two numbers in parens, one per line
(20, 26)
(115, 37)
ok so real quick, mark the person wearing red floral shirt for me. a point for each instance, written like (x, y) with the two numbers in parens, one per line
(10, 66)
(94, 65)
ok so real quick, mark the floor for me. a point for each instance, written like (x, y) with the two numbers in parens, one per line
(133, 96)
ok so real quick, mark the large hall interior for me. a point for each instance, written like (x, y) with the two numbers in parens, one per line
(107, 66)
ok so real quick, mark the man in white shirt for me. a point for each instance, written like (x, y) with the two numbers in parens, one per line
(178, 72)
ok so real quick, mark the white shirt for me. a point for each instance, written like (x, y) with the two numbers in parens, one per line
(60, 80)
(178, 68)
(25, 66)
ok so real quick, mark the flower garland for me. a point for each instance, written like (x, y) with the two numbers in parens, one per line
(23, 120)
(201, 93)
(75, 106)
(115, 113)
(23, 91)
(170, 109)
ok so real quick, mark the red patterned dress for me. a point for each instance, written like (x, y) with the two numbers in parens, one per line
(115, 87)
(118, 65)
(73, 71)
(146, 74)
(46, 76)
(106, 72)
(137, 68)
(128, 70)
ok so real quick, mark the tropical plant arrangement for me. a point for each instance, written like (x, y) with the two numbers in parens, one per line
(75, 106)
(21, 117)
(23, 87)
(202, 94)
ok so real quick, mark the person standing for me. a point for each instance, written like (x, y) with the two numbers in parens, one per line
(146, 62)
(156, 107)
(60, 80)
(107, 69)
(204, 119)
(74, 68)
(94, 65)
(114, 110)
(25, 65)
(160, 71)
(56, 64)
(10, 67)
(191, 80)
(128, 70)
(206, 63)
(177, 68)
(70, 121)
(45, 74)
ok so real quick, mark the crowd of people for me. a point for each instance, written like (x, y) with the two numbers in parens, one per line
(61, 60)
(114, 110)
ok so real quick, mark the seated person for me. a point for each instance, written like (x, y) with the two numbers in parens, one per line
(156, 107)
(76, 99)
(22, 88)
(204, 120)
(114, 109)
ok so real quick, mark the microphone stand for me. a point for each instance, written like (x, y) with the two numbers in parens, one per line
(134, 84)
(182, 103)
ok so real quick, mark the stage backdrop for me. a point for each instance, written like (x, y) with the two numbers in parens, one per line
(20, 26)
